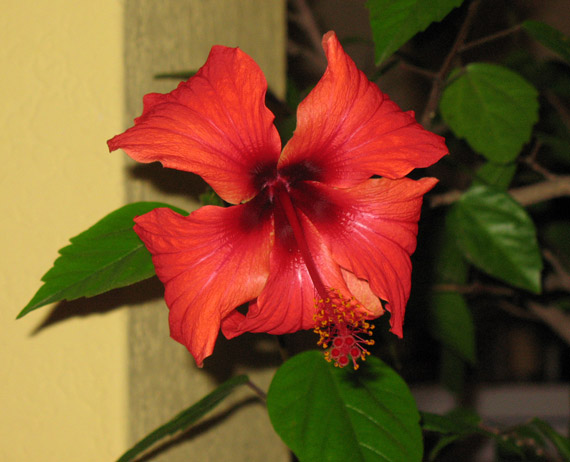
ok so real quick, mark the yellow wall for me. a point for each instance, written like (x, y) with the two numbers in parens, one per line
(62, 388)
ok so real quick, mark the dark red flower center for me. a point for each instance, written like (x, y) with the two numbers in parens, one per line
(339, 321)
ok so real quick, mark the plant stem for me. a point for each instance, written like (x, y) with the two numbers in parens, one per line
(561, 278)
(439, 80)
(555, 318)
(525, 195)
(474, 288)
(258, 391)
(305, 19)
(418, 70)
(489, 38)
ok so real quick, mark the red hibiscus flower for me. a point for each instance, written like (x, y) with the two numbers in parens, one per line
(312, 241)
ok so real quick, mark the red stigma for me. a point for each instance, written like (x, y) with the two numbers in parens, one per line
(341, 325)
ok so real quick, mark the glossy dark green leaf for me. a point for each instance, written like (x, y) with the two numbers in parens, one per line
(550, 37)
(324, 413)
(462, 423)
(186, 418)
(496, 234)
(496, 175)
(450, 266)
(450, 319)
(458, 421)
(452, 324)
(454, 426)
(493, 108)
(395, 22)
(107, 256)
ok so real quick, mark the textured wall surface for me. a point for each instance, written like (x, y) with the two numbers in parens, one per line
(166, 37)
(62, 373)
(83, 380)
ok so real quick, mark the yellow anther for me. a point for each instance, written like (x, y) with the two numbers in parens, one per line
(341, 325)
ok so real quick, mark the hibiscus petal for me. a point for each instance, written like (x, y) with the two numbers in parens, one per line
(348, 130)
(371, 230)
(360, 289)
(215, 125)
(287, 303)
(210, 262)
(286, 306)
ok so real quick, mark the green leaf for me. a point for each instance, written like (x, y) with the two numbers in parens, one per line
(186, 418)
(549, 37)
(395, 22)
(211, 198)
(455, 425)
(452, 371)
(107, 256)
(559, 441)
(182, 75)
(460, 424)
(450, 266)
(496, 234)
(497, 175)
(458, 421)
(452, 324)
(324, 413)
(442, 444)
(493, 108)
